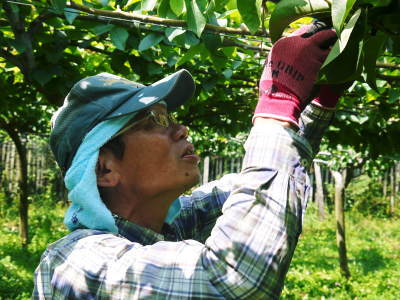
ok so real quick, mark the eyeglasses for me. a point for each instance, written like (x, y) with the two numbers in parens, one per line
(159, 118)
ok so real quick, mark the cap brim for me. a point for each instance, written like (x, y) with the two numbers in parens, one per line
(174, 89)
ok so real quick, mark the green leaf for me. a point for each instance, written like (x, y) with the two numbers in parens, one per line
(347, 64)
(177, 6)
(148, 4)
(71, 14)
(229, 51)
(190, 54)
(171, 33)
(100, 29)
(210, 7)
(227, 73)
(18, 44)
(163, 8)
(194, 17)
(341, 43)
(372, 50)
(212, 41)
(191, 39)
(117, 63)
(209, 85)
(149, 41)
(219, 5)
(340, 11)
(59, 5)
(250, 12)
(236, 64)
(42, 76)
(394, 95)
(219, 61)
(14, 8)
(172, 60)
(130, 2)
(154, 69)
(119, 36)
(287, 11)
(133, 42)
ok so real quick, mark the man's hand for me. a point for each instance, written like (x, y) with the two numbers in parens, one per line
(329, 95)
(290, 72)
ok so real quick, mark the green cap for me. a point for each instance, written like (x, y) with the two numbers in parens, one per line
(104, 96)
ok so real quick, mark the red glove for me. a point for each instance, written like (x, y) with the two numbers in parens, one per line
(290, 73)
(329, 94)
(327, 97)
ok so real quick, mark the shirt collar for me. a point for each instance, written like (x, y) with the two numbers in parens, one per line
(143, 235)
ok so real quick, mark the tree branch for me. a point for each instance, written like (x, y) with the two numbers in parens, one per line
(229, 42)
(159, 21)
(27, 64)
(388, 77)
(225, 43)
(388, 66)
(85, 45)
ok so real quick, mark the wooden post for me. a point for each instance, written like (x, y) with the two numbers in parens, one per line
(206, 169)
(319, 195)
(385, 183)
(393, 190)
(340, 179)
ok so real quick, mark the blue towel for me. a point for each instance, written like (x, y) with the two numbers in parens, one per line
(87, 208)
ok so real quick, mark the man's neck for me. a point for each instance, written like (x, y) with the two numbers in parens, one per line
(149, 212)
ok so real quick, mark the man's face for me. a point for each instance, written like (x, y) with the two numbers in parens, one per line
(158, 160)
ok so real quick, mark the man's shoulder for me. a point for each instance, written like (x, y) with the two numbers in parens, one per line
(86, 241)
(77, 235)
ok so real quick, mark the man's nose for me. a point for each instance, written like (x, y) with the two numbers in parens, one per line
(179, 132)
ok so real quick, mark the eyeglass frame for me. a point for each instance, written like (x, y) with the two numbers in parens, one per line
(165, 122)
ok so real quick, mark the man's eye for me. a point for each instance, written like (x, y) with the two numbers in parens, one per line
(163, 121)
(151, 123)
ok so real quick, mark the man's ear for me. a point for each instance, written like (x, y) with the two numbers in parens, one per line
(106, 169)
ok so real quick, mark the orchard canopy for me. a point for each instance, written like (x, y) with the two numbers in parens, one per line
(46, 46)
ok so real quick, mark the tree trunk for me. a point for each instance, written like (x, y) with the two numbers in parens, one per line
(340, 178)
(319, 194)
(22, 180)
(393, 190)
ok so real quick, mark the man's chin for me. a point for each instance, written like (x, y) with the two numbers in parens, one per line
(194, 180)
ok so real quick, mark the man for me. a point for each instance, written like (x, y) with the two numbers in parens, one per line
(125, 160)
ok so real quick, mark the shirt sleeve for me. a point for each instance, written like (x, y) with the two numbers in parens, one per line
(314, 120)
(246, 256)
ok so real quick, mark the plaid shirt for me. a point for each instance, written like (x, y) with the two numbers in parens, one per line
(234, 237)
